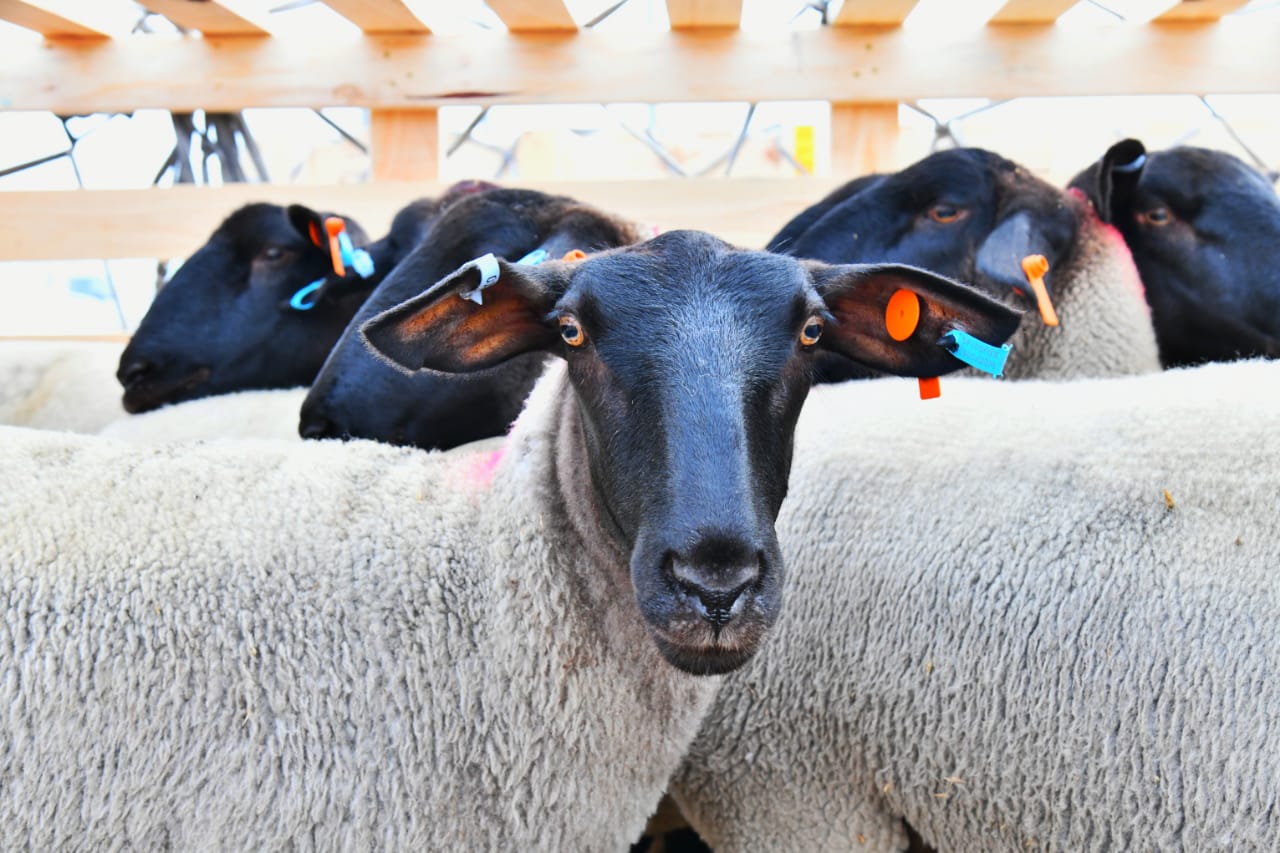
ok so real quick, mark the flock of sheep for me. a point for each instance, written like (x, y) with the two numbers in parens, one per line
(1029, 615)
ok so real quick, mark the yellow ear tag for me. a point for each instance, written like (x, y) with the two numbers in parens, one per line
(902, 314)
(1035, 267)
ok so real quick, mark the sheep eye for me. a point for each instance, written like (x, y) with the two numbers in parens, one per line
(571, 331)
(945, 213)
(272, 253)
(1156, 216)
(812, 331)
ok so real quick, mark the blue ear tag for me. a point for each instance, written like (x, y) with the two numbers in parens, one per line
(534, 258)
(298, 302)
(346, 249)
(976, 353)
(490, 272)
(362, 262)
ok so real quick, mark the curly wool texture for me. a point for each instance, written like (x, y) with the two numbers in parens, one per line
(999, 627)
(1105, 323)
(261, 645)
(242, 414)
(59, 385)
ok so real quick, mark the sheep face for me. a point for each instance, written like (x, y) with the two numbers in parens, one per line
(689, 363)
(966, 213)
(358, 396)
(1204, 230)
(221, 323)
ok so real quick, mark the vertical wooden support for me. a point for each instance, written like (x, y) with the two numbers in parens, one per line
(405, 144)
(864, 138)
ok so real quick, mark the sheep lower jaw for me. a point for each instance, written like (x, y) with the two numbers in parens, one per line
(152, 394)
(697, 646)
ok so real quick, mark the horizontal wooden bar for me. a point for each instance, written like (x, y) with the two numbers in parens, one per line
(379, 16)
(173, 222)
(841, 64)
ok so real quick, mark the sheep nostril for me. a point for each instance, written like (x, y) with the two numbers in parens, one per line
(716, 593)
(135, 372)
(315, 427)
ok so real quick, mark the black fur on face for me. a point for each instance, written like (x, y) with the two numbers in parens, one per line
(216, 326)
(1204, 230)
(356, 395)
(689, 362)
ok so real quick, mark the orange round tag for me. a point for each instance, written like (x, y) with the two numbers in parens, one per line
(902, 314)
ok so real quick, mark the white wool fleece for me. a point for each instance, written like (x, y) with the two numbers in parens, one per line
(60, 385)
(242, 414)
(260, 645)
(1026, 616)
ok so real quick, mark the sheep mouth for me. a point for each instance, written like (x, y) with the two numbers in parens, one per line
(146, 394)
(692, 644)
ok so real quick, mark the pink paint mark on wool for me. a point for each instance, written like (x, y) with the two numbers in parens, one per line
(1110, 239)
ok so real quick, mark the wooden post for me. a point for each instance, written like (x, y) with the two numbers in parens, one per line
(864, 138)
(405, 144)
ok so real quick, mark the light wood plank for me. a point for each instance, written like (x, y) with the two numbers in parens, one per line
(49, 22)
(1031, 11)
(839, 64)
(173, 222)
(691, 14)
(873, 13)
(1201, 10)
(379, 16)
(534, 15)
(864, 139)
(207, 16)
(405, 144)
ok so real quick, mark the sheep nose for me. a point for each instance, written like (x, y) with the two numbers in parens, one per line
(716, 589)
(315, 426)
(135, 372)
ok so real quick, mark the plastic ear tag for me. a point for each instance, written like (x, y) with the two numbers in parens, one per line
(930, 388)
(335, 226)
(1035, 267)
(534, 258)
(902, 314)
(298, 302)
(573, 255)
(976, 353)
(347, 250)
(487, 265)
(1135, 166)
(362, 263)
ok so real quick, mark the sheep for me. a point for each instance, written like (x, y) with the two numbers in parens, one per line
(243, 414)
(1066, 642)
(972, 215)
(257, 645)
(1204, 229)
(62, 385)
(356, 395)
(240, 315)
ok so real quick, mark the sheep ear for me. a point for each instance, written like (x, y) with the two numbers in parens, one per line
(891, 317)
(483, 314)
(308, 223)
(1110, 182)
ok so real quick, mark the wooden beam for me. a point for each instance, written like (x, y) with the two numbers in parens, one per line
(207, 16)
(1031, 11)
(691, 14)
(534, 15)
(864, 139)
(50, 23)
(405, 144)
(874, 13)
(379, 16)
(173, 222)
(1201, 10)
(840, 64)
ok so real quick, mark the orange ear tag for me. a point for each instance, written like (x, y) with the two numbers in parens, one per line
(930, 388)
(1035, 266)
(902, 314)
(573, 255)
(334, 225)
